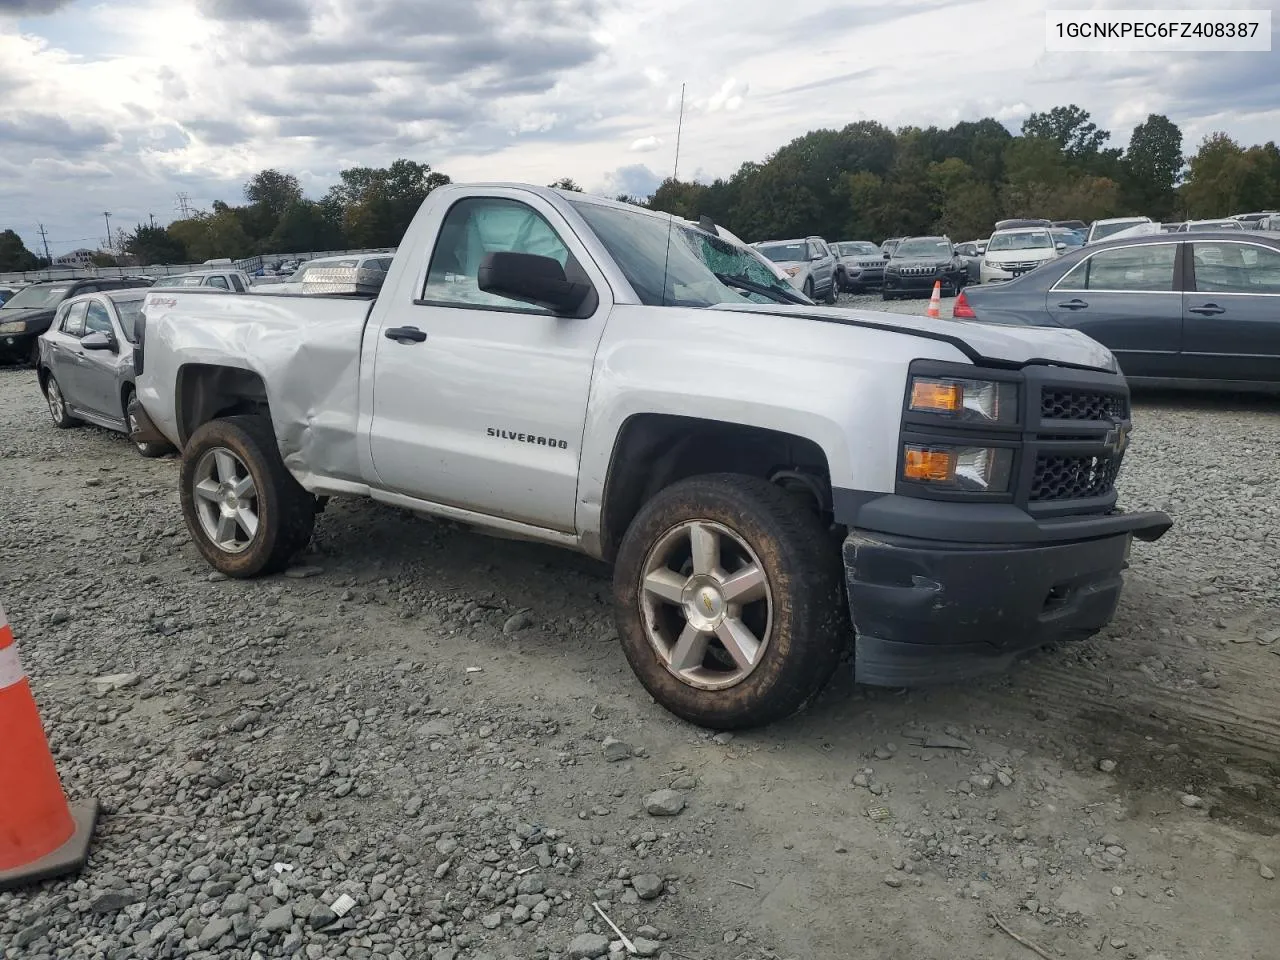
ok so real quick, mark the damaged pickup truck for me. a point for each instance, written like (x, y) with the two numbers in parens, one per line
(763, 474)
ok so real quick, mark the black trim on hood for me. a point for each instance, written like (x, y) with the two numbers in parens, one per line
(957, 342)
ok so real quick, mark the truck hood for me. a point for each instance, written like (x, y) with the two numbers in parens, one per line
(989, 343)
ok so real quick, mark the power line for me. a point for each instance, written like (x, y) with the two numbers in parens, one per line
(184, 205)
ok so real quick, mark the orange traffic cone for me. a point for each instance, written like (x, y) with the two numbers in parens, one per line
(41, 835)
(935, 301)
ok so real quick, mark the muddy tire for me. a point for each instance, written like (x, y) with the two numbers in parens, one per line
(727, 600)
(246, 513)
(148, 450)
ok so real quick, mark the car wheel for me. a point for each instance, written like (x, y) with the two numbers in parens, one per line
(728, 602)
(246, 513)
(833, 292)
(57, 404)
(808, 288)
(886, 295)
(148, 450)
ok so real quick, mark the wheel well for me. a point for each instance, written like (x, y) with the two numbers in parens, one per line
(42, 377)
(126, 390)
(207, 392)
(653, 451)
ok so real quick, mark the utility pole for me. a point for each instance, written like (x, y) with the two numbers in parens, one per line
(153, 220)
(106, 216)
(44, 238)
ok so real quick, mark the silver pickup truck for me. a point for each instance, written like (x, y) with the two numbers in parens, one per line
(763, 473)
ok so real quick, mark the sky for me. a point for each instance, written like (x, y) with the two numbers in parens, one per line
(120, 106)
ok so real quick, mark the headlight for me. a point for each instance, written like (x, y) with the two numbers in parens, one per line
(792, 271)
(976, 469)
(990, 266)
(13, 326)
(983, 401)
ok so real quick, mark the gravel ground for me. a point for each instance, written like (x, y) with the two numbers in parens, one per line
(439, 726)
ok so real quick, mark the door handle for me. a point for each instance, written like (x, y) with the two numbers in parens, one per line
(404, 335)
(1074, 304)
(1209, 309)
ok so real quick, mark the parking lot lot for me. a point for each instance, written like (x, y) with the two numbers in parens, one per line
(425, 719)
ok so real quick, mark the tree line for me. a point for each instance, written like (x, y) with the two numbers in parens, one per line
(863, 181)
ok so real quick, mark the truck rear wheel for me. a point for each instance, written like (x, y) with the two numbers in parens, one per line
(245, 511)
(727, 599)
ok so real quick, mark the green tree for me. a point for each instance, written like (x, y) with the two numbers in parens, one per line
(380, 203)
(566, 183)
(967, 207)
(1151, 166)
(1070, 128)
(14, 254)
(679, 197)
(273, 191)
(155, 245)
(303, 227)
(1219, 176)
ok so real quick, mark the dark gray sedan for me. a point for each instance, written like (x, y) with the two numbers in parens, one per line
(86, 363)
(1185, 309)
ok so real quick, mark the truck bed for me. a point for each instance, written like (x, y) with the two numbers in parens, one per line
(305, 349)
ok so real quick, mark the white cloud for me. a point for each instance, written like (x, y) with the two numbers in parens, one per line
(196, 95)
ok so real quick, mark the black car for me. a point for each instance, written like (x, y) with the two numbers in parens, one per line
(29, 312)
(916, 263)
(1181, 310)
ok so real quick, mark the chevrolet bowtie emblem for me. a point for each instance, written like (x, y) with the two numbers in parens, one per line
(1117, 440)
(706, 602)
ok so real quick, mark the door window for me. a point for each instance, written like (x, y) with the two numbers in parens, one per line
(73, 325)
(97, 320)
(482, 225)
(1236, 268)
(1146, 268)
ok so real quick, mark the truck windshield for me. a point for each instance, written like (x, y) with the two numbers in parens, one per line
(670, 263)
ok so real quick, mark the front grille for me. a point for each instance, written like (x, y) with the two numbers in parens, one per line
(1083, 405)
(917, 271)
(1073, 477)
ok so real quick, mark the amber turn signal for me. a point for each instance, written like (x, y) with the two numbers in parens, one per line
(926, 464)
(936, 396)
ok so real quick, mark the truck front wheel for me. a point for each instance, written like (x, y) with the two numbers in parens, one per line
(727, 599)
(245, 511)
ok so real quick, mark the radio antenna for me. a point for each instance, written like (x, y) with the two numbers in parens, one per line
(675, 172)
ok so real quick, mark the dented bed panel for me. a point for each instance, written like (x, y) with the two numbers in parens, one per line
(305, 351)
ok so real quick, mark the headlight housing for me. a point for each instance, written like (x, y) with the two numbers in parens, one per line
(966, 401)
(947, 467)
(13, 326)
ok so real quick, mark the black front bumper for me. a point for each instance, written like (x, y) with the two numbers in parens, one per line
(919, 283)
(937, 610)
(17, 347)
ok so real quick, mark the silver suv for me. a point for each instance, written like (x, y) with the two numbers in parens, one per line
(809, 263)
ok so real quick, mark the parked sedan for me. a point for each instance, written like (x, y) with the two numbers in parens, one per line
(919, 262)
(859, 265)
(1186, 309)
(86, 363)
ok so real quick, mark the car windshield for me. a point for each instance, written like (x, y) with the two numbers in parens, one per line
(179, 281)
(129, 311)
(1215, 225)
(785, 252)
(1031, 240)
(1101, 230)
(859, 248)
(924, 247)
(670, 263)
(36, 297)
(1070, 238)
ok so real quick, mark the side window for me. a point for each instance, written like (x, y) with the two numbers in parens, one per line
(73, 326)
(237, 283)
(1146, 268)
(481, 225)
(219, 282)
(97, 320)
(1236, 268)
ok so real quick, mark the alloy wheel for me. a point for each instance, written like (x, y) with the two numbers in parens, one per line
(226, 500)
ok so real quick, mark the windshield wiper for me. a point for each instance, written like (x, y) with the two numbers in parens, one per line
(773, 293)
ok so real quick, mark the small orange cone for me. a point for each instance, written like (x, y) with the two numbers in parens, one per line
(935, 301)
(41, 835)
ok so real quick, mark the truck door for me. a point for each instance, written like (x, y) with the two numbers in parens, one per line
(479, 402)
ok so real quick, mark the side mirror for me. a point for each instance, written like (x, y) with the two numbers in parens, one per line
(887, 255)
(1060, 246)
(531, 278)
(99, 341)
